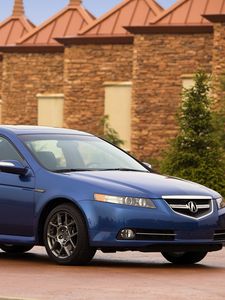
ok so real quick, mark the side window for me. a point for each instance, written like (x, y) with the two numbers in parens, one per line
(8, 152)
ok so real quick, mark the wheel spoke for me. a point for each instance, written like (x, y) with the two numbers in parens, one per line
(52, 224)
(59, 219)
(67, 250)
(72, 243)
(54, 246)
(73, 235)
(61, 249)
(66, 219)
(52, 236)
(71, 223)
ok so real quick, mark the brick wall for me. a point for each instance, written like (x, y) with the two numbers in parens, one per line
(86, 68)
(0, 76)
(24, 76)
(155, 64)
(159, 62)
(0, 88)
(219, 61)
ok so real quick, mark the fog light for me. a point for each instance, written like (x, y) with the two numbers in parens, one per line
(127, 234)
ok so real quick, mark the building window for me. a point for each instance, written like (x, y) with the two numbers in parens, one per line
(118, 108)
(50, 109)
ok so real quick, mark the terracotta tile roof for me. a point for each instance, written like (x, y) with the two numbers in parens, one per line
(127, 13)
(65, 23)
(15, 27)
(189, 12)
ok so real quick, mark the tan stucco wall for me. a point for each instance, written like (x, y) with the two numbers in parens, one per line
(118, 108)
(50, 109)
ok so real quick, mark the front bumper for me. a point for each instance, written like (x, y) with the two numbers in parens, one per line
(106, 220)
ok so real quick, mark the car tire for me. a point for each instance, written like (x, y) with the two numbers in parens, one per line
(15, 249)
(184, 258)
(66, 237)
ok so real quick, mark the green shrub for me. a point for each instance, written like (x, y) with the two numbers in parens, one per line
(197, 152)
(109, 133)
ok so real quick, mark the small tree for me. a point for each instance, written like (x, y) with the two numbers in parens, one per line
(196, 153)
(109, 133)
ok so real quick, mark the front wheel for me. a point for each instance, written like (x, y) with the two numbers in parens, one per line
(66, 238)
(15, 249)
(184, 258)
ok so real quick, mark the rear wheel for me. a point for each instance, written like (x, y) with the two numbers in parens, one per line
(15, 249)
(184, 258)
(66, 238)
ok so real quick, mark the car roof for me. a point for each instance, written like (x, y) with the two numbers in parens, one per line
(28, 129)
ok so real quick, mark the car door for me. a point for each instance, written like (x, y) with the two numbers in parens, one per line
(16, 196)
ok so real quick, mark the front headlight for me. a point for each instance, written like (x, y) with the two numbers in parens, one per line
(220, 202)
(130, 201)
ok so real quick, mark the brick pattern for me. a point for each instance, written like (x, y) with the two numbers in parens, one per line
(159, 62)
(155, 64)
(219, 62)
(24, 76)
(86, 69)
(0, 77)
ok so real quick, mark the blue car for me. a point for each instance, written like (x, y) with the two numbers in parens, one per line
(75, 193)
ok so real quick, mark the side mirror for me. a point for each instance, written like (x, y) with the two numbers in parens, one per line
(13, 167)
(149, 166)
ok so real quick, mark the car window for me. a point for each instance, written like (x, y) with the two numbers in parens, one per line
(8, 151)
(48, 153)
(60, 152)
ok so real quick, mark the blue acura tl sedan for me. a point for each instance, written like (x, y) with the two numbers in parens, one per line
(75, 193)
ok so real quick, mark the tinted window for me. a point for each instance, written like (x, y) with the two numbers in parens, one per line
(8, 151)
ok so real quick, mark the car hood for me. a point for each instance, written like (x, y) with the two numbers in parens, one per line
(142, 184)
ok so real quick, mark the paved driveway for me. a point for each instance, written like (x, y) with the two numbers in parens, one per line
(121, 276)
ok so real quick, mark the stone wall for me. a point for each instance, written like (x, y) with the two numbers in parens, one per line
(24, 76)
(159, 62)
(155, 64)
(86, 69)
(219, 62)
(0, 88)
(0, 76)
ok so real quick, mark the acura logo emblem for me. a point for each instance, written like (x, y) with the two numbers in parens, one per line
(192, 206)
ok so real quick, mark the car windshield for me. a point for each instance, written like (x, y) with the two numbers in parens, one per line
(68, 153)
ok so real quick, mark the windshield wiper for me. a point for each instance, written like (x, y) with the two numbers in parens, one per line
(110, 169)
(70, 170)
(124, 169)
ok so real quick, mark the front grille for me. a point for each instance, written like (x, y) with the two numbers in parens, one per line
(219, 235)
(151, 235)
(190, 206)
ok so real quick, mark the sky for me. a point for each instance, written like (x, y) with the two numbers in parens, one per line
(40, 10)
